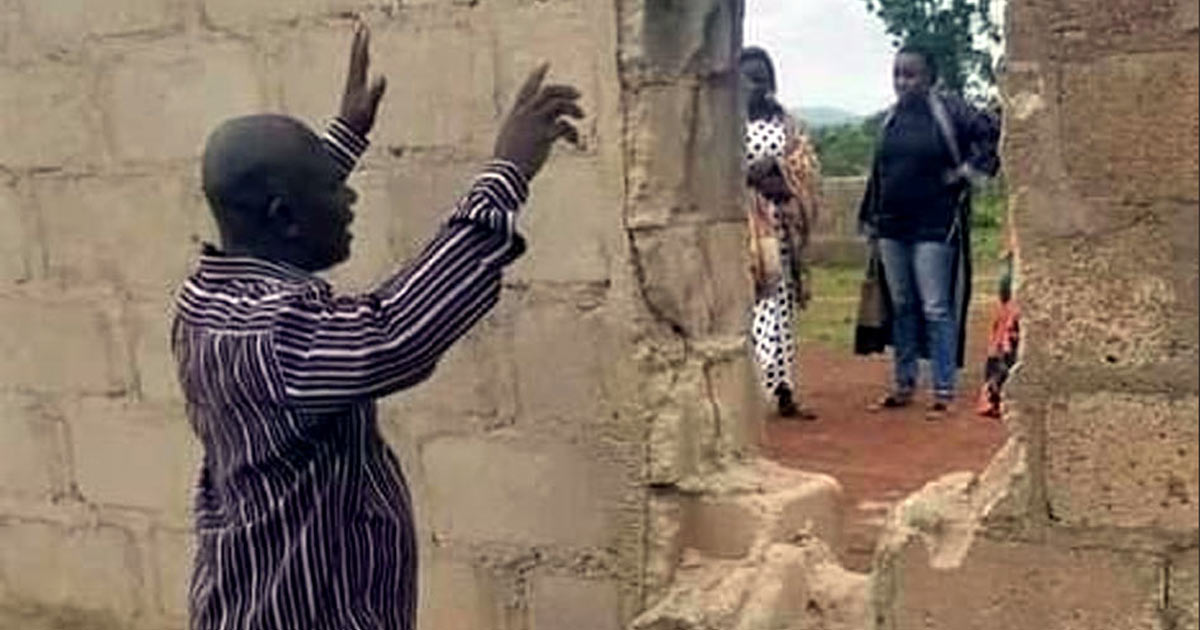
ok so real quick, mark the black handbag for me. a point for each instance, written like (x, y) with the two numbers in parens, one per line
(872, 328)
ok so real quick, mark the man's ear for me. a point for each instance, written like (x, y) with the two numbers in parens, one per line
(281, 218)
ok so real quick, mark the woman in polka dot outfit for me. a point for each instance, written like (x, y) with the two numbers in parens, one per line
(782, 176)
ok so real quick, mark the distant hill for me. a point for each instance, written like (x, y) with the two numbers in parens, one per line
(817, 117)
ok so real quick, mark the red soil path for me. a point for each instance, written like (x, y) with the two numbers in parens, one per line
(880, 458)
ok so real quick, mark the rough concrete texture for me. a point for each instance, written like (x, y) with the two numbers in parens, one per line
(749, 548)
(835, 238)
(784, 586)
(1088, 518)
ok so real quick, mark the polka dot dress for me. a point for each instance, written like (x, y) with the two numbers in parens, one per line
(765, 139)
(772, 330)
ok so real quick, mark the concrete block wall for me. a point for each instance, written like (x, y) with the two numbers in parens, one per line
(613, 365)
(1088, 518)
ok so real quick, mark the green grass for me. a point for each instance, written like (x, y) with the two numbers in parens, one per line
(829, 318)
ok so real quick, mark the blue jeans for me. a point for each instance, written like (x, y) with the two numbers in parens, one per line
(919, 276)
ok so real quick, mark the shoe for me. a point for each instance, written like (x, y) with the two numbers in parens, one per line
(937, 410)
(894, 400)
(787, 406)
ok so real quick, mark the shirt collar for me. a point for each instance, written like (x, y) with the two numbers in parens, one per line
(218, 265)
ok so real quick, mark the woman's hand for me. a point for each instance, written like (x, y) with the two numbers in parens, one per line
(767, 178)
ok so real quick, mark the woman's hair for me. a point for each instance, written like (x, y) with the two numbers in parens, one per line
(754, 52)
(926, 55)
(769, 108)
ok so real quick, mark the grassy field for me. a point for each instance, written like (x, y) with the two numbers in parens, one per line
(829, 319)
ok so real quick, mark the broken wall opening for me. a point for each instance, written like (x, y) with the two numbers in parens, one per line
(1086, 517)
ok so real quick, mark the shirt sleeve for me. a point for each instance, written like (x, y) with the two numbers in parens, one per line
(332, 350)
(344, 145)
(981, 133)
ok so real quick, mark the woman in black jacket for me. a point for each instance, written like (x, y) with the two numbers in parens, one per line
(931, 147)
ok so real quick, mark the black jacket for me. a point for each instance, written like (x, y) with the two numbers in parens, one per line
(972, 138)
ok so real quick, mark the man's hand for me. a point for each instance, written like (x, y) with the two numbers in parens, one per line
(359, 103)
(536, 122)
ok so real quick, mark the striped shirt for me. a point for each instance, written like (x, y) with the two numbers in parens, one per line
(302, 516)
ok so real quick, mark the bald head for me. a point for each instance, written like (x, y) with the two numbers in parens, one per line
(247, 158)
(272, 185)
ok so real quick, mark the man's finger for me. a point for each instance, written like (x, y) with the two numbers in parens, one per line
(359, 54)
(532, 84)
(564, 129)
(378, 87)
(560, 107)
(551, 92)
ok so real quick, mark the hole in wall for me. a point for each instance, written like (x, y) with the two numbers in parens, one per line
(833, 62)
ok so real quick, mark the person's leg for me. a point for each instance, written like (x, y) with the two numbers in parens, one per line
(897, 257)
(933, 265)
(766, 344)
(788, 391)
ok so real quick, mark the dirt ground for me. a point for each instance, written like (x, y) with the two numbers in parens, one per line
(881, 458)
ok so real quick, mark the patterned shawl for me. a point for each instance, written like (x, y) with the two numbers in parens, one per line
(802, 172)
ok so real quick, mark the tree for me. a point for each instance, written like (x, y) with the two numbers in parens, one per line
(957, 32)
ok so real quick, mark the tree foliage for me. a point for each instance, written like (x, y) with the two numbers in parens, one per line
(846, 150)
(957, 32)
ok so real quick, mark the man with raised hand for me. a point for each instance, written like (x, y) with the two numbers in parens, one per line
(302, 516)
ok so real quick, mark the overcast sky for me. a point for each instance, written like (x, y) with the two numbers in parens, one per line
(830, 53)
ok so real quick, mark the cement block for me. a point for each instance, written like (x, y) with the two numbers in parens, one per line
(1081, 29)
(35, 462)
(838, 216)
(1146, 104)
(457, 596)
(472, 389)
(1183, 594)
(563, 356)
(699, 37)
(420, 194)
(96, 568)
(463, 113)
(1109, 302)
(129, 232)
(533, 32)
(1124, 461)
(55, 26)
(573, 223)
(17, 244)
(1006, 585)
(164, 98)
(63, 343)
(48, 98)
(484, 490)
(685, 159)
(565, 602)
(154, 364)
(740, 405)
(423, 109)
(134, 455)
(721, 527)
(815, 508)
(172, 553)
(246, 16)
(696, 276)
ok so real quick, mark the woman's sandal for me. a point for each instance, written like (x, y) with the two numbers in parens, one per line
(891, 401)
(937, 410)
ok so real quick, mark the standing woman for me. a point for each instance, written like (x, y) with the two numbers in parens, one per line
(782, 176)
(916, 211)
